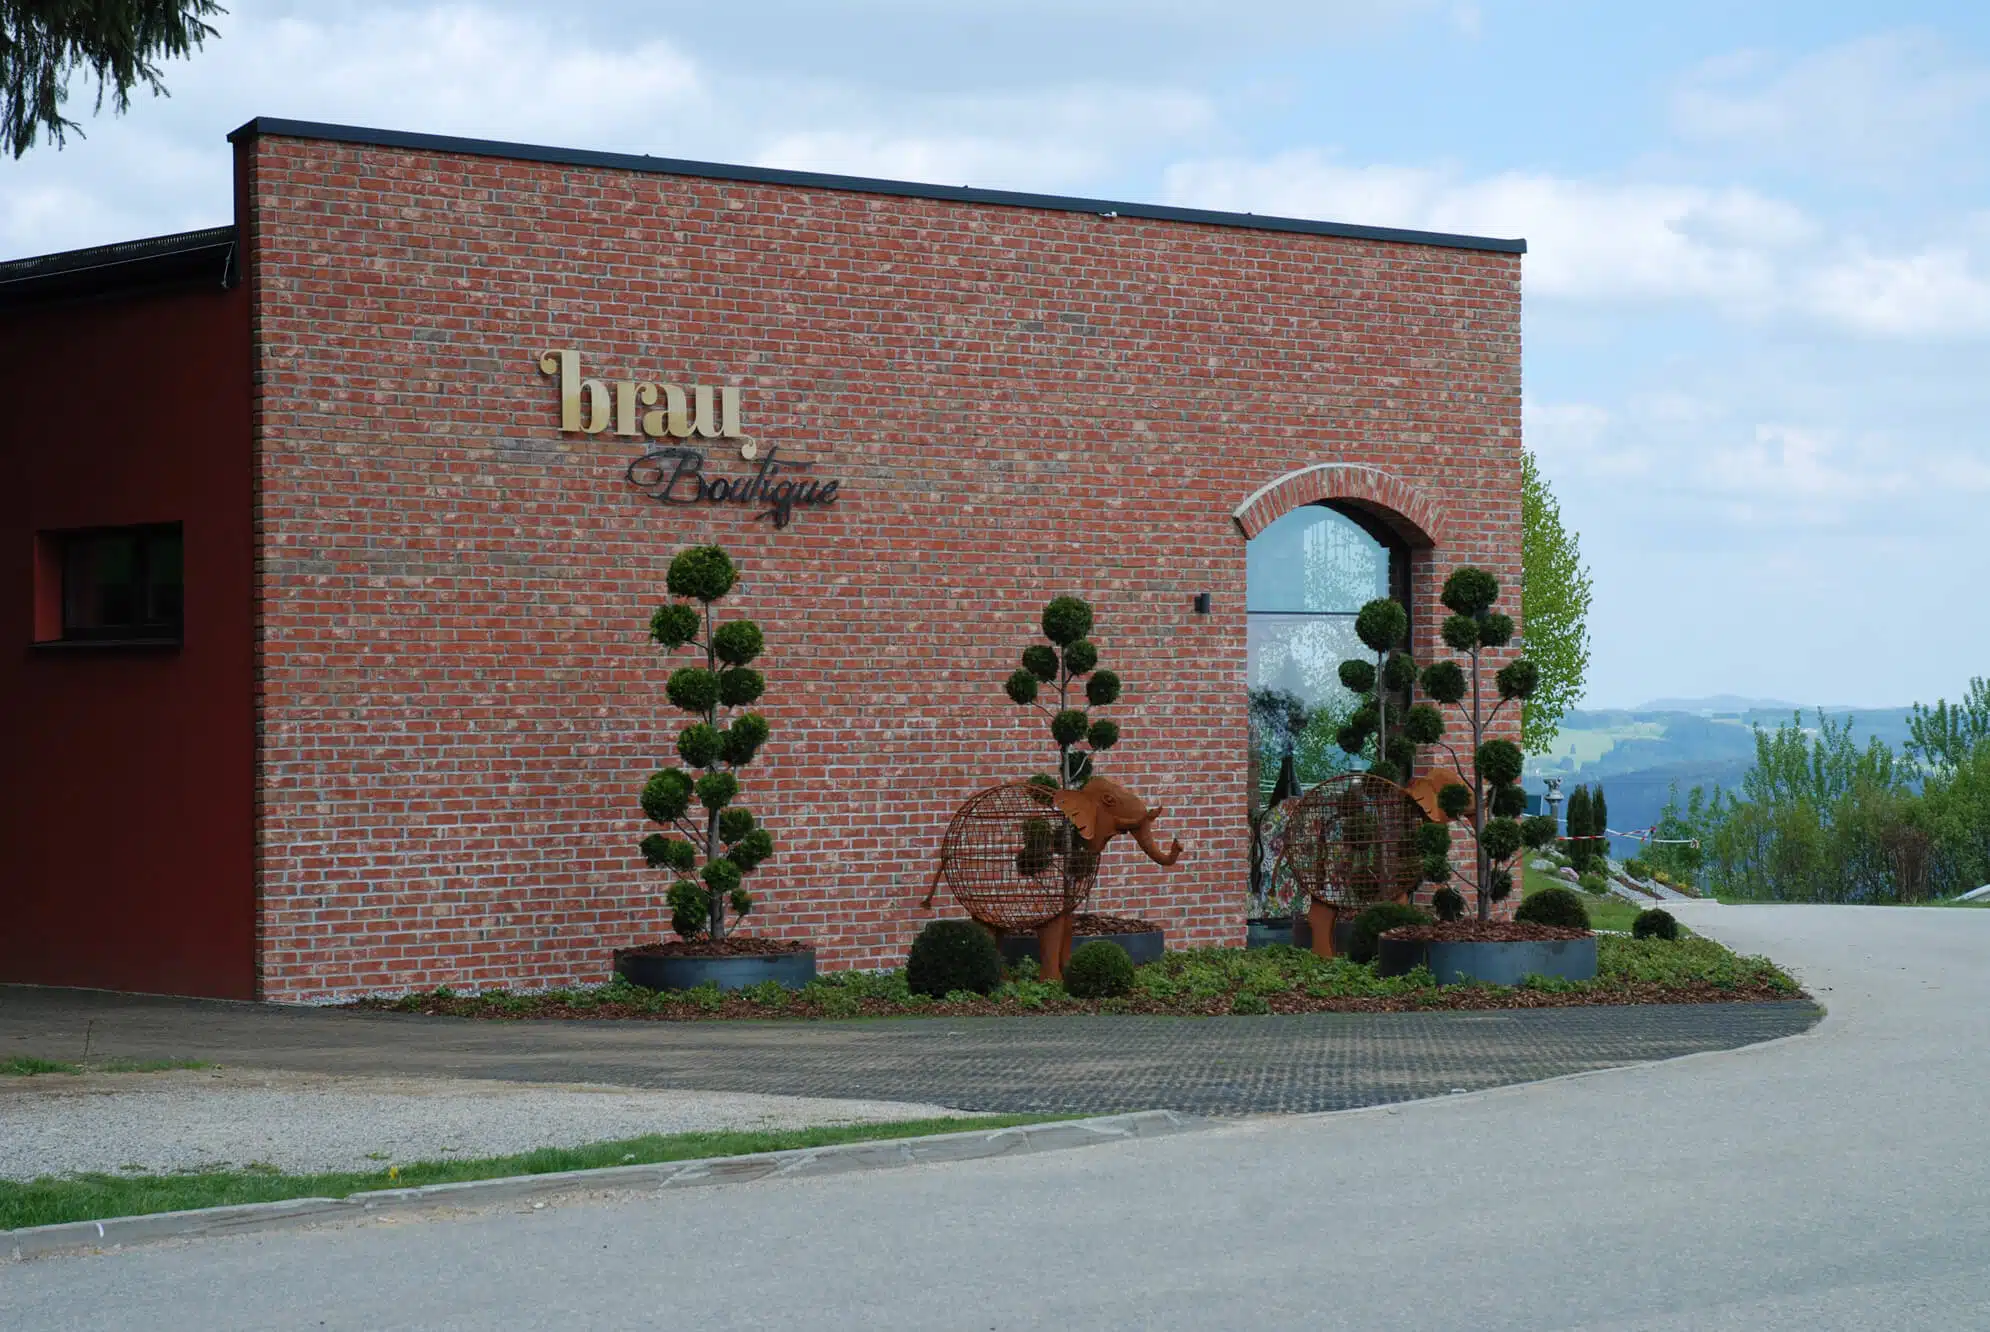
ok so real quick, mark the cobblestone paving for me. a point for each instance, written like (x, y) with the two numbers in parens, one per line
(1085, 1065)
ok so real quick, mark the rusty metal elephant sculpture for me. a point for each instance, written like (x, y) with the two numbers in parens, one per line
(1102, 809)
(1014, 865)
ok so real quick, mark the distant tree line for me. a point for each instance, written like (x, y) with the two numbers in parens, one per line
(1821, 819)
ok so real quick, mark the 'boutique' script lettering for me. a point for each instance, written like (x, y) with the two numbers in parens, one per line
(677, 476)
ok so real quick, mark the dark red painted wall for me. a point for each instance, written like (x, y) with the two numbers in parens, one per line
(126, 820)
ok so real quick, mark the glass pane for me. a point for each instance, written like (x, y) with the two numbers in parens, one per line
(1314, 559)
(79, 585)
(124, 584)
(99, 582)
(163, 580)
(116, 565)
(1301, 655)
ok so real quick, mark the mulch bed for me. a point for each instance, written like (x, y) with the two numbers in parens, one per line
(734, 1007)
(1087, 923)
(738, 945)
(1484, 931)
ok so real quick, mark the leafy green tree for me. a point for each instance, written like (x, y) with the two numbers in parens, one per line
(717, 848)
(1494, 801)
(42, 42)
(1942, 738)
(1554, 609)
(1069, 656)
(1674, 834)
(1820, 818)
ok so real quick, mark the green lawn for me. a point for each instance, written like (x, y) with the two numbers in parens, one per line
(92, 1197)
(28, 1066)
(1605, 913)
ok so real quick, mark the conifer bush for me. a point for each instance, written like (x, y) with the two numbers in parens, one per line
(952, 955)
(1554, 906)
(1655, 924)
(714, 847)
(1100, 969)
(1375, 921)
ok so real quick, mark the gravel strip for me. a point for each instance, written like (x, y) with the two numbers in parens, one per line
(205, 1119)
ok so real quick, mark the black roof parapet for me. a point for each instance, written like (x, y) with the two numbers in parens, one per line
(187, 258)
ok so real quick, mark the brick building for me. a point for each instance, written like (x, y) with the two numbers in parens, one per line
(329, 576)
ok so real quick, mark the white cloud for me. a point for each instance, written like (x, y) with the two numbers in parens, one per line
(603, 82)
(1867, 106)
(1698, 463)
(1051, 141)
(456, 70)
(1597, 242)
(1937, 292)
(1590, 241)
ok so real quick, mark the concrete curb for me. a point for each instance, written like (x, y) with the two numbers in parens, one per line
(800, 1163)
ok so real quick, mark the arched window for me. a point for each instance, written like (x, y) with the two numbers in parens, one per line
(1307, 575)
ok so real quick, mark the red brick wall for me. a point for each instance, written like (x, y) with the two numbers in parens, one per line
(460, 703)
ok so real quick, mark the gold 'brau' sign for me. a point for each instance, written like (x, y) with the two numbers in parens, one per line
(638, 408)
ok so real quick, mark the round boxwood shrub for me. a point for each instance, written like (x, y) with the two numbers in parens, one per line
(1098, 970)
(953, 955)
(1655, 924)
(1370, 924)
(1554, 906)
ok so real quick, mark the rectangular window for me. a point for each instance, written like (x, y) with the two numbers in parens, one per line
(121, 584)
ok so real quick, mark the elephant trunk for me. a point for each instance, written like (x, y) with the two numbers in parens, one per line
(1143, 836)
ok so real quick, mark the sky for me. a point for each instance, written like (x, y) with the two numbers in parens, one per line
(1757, 293)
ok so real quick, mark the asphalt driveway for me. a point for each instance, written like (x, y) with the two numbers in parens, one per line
(1078, 1065)
(1826, 1181)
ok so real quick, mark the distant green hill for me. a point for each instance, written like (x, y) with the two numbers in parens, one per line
(1637, 755)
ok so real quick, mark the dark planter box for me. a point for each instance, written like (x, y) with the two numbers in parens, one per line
(1265, 933)
(1144, 947)
(793, 970)
(1499, 963)
(1299, 933)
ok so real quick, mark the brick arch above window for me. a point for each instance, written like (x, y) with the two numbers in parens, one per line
(1394, 502)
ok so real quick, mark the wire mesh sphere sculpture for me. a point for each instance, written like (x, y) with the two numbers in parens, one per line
(1013, 860)
(1351, 842)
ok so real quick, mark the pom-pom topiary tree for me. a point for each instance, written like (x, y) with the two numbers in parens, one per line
(1385, 726)
(1493, 802)
(719, 843)
(1060, 663)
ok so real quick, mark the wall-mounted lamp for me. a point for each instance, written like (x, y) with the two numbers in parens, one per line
(1202, 603)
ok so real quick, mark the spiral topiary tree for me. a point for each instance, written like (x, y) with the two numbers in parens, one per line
(1493, 803)
(1060, 663)
(717, 845)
